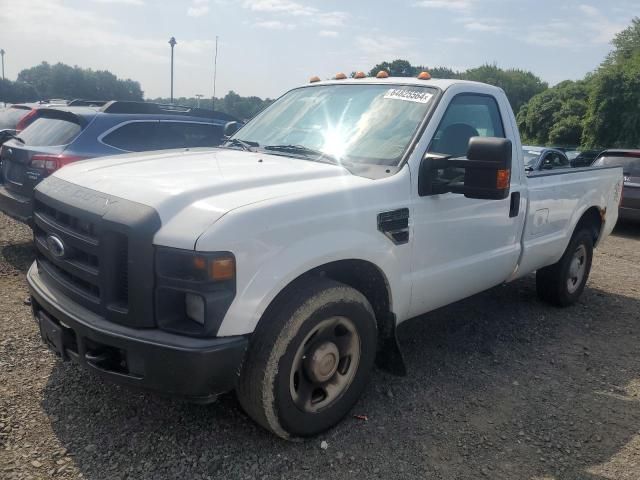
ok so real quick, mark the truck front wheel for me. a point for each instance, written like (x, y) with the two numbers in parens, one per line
(309, 359)
(562, 283)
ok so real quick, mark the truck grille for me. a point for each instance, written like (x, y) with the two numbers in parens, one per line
(108, 246)
(79, 270)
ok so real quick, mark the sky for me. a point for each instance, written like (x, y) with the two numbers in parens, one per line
(269, 46)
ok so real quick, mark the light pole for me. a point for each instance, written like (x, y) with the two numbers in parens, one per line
(215, 71)
(172, 42)
(198, 96)
(2, 52)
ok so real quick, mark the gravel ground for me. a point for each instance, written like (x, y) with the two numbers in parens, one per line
(500, 386)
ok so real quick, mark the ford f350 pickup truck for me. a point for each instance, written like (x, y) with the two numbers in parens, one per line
(281, 264)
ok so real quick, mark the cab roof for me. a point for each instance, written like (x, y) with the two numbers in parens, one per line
(439, 83)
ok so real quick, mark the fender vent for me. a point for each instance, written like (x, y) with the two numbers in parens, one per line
(395, 225)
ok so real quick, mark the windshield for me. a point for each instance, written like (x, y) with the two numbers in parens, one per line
(531, 157)
(369, 124)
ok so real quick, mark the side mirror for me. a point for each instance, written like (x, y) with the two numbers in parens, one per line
(487, 170)
(230, 128)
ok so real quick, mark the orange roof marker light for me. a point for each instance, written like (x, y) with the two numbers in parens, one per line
(424, 76)
(314, 79)
(382, 74)
(340, 76)
(360, 75)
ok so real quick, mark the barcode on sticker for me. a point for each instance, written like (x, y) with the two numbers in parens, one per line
(408, 95)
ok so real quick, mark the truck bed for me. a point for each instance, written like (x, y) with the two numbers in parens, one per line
(557, 200)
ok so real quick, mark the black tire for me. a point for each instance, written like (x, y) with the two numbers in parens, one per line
(555, 284)
(266, 388)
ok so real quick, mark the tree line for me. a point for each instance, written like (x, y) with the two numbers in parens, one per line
(240, 107)
(46, 81)
(600, 111)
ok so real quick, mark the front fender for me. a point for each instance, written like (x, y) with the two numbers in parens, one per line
(256, 290)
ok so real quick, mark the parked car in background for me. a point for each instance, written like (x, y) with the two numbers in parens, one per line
(66, 134)
(542, 158)
(18, 116)
(629, 160)
(585, 159)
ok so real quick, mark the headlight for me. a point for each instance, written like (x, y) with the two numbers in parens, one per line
(193, 290)
(195, 266)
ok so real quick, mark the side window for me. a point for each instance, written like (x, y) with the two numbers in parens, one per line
(554, 160)
(468, 115)
(186, 134)
(134, 137)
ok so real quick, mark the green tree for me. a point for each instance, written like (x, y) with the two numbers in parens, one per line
(613, 115)
(555, 116)
(64, 81)
(396, 68)
(519, 85)
(16, 92)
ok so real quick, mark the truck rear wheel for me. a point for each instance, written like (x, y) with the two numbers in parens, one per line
(309, 359)
(562, 283)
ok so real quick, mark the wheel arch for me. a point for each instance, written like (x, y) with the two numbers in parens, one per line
(362, 275)
(593, 219)
(368, 279)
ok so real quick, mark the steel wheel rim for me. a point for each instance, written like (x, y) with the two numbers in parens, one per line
(577, 269)
(325, 364)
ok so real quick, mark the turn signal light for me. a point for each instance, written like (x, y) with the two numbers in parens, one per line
(503, 178)
(223, 269)
(424, 76)
(382, 74)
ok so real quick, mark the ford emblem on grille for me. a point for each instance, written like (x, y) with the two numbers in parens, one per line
(55, 245)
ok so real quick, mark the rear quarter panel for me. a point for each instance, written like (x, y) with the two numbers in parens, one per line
(557, 201)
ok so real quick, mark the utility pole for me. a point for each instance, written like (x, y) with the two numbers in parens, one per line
(215, 71)
(198, 96)
(172, 42)
(2, 52)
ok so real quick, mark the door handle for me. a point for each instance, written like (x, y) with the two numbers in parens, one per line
(514, 209)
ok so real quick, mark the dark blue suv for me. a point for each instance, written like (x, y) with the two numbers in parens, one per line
(61, 135)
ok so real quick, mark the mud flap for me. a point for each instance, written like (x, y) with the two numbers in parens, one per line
(389, 357)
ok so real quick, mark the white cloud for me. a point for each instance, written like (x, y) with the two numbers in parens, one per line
(279, 6)
(92, 30)
(137, 3)
(383, 47)
(589, 10)
(480, 26)
(292, 8)
(328, 33)
(458, 5)
(457, 40)
(198, 8)
(274, 25)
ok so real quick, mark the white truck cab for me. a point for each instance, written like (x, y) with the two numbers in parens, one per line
(280, 264)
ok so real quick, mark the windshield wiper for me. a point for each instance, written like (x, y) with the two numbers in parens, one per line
(305, 152)
(15, 137)
(244, 144)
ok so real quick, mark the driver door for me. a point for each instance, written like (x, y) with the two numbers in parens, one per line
(463, 246)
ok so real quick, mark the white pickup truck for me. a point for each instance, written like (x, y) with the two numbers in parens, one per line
(280, 264)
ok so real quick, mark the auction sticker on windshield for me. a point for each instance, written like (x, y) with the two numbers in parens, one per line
(417, 96)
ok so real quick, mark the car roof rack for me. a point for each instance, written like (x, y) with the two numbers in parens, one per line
(80, 102)
(117, 106)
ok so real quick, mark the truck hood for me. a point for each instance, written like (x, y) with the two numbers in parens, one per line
(192, 189)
